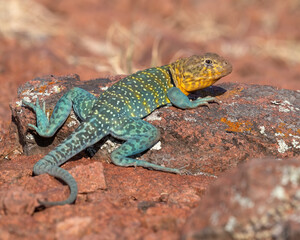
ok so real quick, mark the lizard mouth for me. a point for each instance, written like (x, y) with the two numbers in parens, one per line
(227, 70)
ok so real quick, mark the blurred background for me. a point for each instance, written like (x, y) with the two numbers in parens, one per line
(97, 38)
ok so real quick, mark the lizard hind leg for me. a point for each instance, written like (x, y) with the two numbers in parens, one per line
(140, 136)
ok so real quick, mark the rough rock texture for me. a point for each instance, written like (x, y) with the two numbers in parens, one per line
(260, 200)
(17, 201)
(251, 121)
(96, 38)
(135, 203)
(90, 177)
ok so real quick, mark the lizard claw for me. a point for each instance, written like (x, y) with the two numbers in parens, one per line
(205, 104)
(206, 174)
(35, 107)
(184, 171)
(28, 104)
(216, 100)
(33, 127)
(204, 101)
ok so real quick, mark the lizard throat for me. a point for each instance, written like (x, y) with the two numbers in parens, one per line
(176, 78)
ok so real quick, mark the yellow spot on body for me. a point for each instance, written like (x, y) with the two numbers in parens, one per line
(138, 96)
(146, 106)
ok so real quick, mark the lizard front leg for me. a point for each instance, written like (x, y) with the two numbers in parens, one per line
(81, 101)
(180, 100)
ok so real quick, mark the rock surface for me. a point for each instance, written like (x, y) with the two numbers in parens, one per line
(251, 121)
(96, 38)
(135, 203)
(260, 200)
(17, 201)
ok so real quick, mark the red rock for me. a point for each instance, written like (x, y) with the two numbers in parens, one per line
(187, 197)
(72, 228)
(17, 201)
(256, 200)
(251, 121)
(47, 188)
(262, 48)
(89, 177)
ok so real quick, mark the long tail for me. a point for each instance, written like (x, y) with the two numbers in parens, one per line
(62, 174)
(87, 134)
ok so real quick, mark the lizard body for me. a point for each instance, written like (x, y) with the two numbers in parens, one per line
(119, 111)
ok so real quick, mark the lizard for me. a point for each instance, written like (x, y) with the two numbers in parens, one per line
(119, 112)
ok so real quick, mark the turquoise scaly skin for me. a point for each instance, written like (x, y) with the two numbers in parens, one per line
(119, 112)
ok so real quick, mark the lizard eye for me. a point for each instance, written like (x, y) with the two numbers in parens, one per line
(208, 61)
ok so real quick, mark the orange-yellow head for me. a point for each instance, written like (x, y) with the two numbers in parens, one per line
(199, 71)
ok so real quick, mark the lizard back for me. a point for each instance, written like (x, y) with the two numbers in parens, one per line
(138, 94)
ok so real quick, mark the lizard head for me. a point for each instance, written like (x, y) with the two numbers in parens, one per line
(199, 71)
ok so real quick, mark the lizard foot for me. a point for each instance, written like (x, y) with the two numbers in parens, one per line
(184, 171)
(41, 118)
(206, 174)
(204, 101)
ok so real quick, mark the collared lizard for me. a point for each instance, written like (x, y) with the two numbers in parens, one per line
(119, 111)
